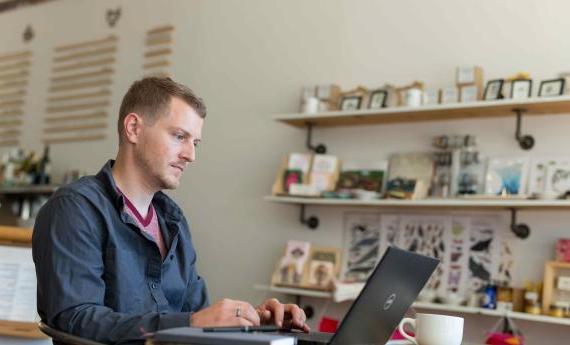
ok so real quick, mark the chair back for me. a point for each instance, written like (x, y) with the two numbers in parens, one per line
(62, 338)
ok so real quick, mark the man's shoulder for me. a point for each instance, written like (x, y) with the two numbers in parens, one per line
(87, 188)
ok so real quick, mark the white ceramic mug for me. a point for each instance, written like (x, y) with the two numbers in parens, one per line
(434, 329)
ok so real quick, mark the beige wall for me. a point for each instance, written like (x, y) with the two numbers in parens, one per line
(249, 59)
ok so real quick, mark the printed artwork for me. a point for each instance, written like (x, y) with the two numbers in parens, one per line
(290, 269)
(323, 267)
(481, 254)
(506, 175)
(458, 254)
(362, 245)
(550, 176)
(427, 235)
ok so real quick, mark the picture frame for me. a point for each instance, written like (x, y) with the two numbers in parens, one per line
(521, 88)
(349, 103)
(506, 175)
(322, 268)
(494, 90)
(290, 269)
(551, 87)
(378, 99)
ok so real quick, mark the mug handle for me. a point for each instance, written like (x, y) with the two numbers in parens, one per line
(412, 322)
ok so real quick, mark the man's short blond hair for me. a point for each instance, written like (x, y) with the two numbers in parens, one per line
(151, 97)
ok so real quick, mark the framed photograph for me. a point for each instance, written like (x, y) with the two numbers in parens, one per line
(449, 95)
(349, 103)
(506, 176)
(323, 267)
(378, 99)
(468, 93)
(551, 88)
(494, 90)
(521, 89)
(291, 176)
(291, 268)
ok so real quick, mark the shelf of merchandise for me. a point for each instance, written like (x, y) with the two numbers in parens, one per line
(429, 306)
(28, 190)
(428, 203)
(14, 236)
(479, 109)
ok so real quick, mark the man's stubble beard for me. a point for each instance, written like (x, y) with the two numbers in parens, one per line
(153, 175)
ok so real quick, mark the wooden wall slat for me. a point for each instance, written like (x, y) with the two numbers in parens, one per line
(158, 41)
(84, 95)
(162, 63)
(75, 128)
(97, 42)
(17, 65)
(74, 139)
(160, 29)
(84, 85)
(15, 56)
(89, 53)
(103, 71)
(97, 115)
(74, 107)
(79, 65)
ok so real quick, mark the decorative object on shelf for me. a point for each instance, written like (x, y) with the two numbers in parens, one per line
(328, 95)
(469, 93)
(350, 103)
(354, 99)
(532, 298)
(324, 172)
(449, 94)
(563, 250)
(378, 99)
(469, 75)
(412, 166)
(494, 90)
(286, 176)
(413, 97)
(402, 188)
(364, 180)
(551, 88)
(549, 177)
(361, 246)
(290, 270)
(505, 332)
(323, 267)
(430, 97)
(506, 176)
(521, 88)
(550, 293)
(402, 91)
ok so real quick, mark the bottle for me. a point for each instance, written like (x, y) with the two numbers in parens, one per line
(44, 168)
(490, 296)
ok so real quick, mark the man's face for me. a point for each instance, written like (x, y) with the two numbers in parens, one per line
(167, 147)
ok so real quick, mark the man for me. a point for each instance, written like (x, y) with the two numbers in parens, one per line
(113, 254)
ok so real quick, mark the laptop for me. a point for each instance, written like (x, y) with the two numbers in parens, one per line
(388, 294)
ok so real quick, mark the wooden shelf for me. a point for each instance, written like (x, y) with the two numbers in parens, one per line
(28, 190)
(21, 329)
(11, 235)
(430, 306)
(428, 203)
(480, 109)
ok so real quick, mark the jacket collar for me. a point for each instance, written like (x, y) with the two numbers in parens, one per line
(162, 203)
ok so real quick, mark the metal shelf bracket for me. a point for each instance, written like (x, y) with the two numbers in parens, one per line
(320, 148)
(521, 230)
(312, 222)
(526, 142)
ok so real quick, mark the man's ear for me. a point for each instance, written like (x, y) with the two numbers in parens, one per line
(133, 124)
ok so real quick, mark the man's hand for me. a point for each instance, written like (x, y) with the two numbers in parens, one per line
(226, 312)
(283, 315)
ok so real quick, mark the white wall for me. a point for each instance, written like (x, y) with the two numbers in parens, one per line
(249, 61)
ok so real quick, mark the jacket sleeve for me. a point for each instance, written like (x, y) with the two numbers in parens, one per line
(67, 250)
(196, 292)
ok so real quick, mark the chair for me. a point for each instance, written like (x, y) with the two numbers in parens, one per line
(62, 338)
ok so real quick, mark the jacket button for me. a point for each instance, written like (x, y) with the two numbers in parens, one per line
(171, 257)
(153, 285)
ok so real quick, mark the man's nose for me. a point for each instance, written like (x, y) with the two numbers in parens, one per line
(188, 153)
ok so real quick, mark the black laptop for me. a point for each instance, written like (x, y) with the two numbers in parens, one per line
(388, 294)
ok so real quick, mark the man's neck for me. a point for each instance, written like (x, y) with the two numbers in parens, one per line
(132, 183)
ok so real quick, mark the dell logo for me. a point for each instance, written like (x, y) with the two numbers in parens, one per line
(389, 301)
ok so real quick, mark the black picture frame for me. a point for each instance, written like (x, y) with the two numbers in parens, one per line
(377, 93)
(521, 81)
(344, 103)
(498, 93)
(544, 83)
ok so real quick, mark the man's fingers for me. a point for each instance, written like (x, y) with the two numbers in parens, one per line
(277, 309)
(249, 313)
(297, 314)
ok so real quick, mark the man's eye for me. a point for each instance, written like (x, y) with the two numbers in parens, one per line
(179, 137)
(196, 143)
